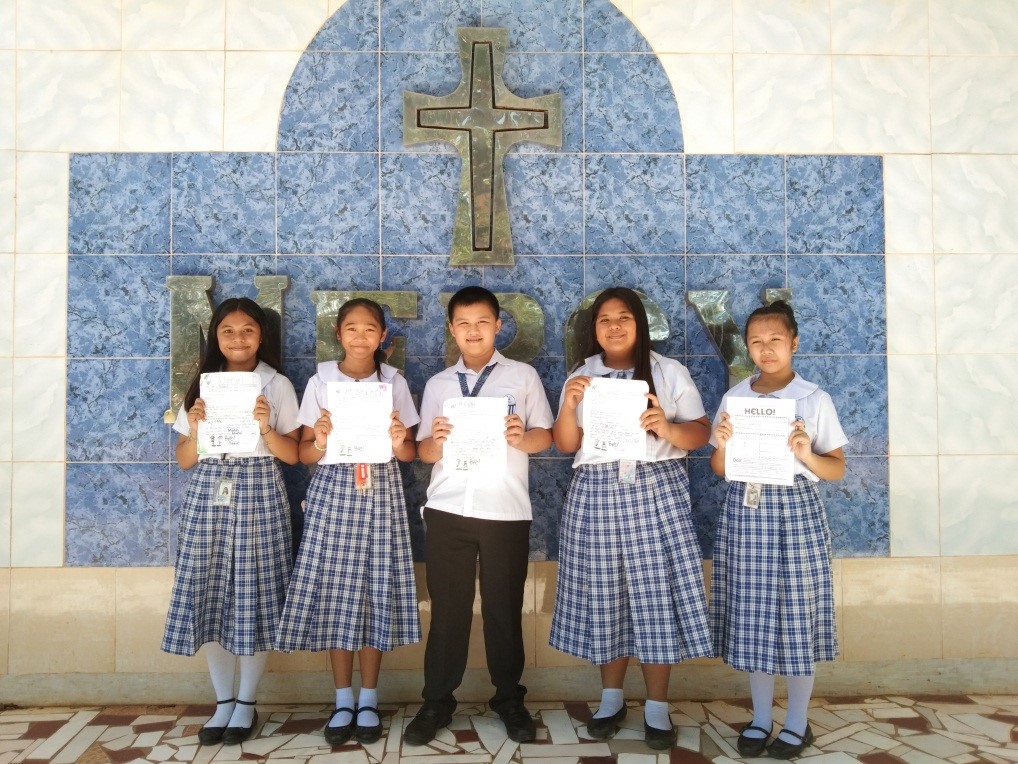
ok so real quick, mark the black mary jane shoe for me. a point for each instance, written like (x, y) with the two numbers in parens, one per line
(752, 746)
(339, 735)
(779, 749)
(213, 735)
(367, 735)
(659, 740)
(237, 735)
(606, 726)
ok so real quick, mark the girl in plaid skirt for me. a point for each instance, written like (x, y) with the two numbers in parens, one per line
(352, 588)
(630, 580)
(234, 543)
(772, 602)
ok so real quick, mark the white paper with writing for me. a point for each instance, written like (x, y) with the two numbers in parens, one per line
(477, 442)
(611, 418)
(361, 415)
(758, 449)
(229, 425)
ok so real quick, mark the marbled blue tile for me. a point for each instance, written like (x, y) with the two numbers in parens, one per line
(419, 369)
(178, 490)
(118, 515)
(232, 275)
(552, 370)
(119, 204)
(328, 203)
(744, 276)
(118, 306)
(736, 204)
(707, 494)
(857, 508)
(224, 203)
(839, 303)
(605, 28)
(545, 198)
(858, 385)
(427, 26)
(299, 370)
(628, 105)
(537, 25)
(419, 193)
(529, 76)
(710, 375)
(353, 27)
(635, 203)
(331, 104)
(660, 277)
(436, 74)
(115, 410)
(835, 204)
(309, 274)
(549, 481)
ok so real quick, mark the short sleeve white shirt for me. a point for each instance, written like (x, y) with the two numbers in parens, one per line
(316, 393)
(676, 393)
(279, 392)
(507, 498)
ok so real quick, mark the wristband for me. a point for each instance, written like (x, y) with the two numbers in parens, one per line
(317, 447)
(267, 430)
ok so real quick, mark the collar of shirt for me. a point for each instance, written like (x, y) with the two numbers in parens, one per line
(329, 372)
(595, 364)
(460, 368)
(795, 390)
(265, 373)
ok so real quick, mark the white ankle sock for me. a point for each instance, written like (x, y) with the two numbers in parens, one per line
(344, 699)
(367, 697)
(761, 689)
(611, 702)
(655, 713)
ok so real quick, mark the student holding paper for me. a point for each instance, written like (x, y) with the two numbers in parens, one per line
(772, 601)
(234, 542)
(630, 580)
(352, 588)
(478, 514)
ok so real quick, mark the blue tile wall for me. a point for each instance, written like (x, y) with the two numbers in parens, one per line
(342, 204)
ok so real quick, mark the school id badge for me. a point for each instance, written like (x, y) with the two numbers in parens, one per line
(224, 493)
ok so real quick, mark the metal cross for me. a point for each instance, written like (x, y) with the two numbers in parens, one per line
(482, 119)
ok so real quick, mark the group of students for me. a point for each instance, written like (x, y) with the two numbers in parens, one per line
(630, 581)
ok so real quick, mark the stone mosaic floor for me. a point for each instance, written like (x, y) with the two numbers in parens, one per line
(881, 730)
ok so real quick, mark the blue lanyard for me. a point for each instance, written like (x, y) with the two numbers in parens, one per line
(481, 379)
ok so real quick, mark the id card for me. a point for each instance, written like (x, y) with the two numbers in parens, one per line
(224, 493)
(751, 496)
(362, 476)
(627, 471)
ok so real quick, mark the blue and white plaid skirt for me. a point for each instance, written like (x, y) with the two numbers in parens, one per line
(353, 582)
(630, 572)
(232, 562)
(772, 600)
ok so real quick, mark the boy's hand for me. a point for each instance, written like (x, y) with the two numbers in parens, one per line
(440, 429)
(514, 430)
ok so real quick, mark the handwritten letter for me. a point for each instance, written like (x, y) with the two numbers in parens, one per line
(360, 423)
(229, 426)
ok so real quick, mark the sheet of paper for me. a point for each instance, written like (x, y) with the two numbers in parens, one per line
(611, 418)
(477, 443)
(229, 426)
(361, 414)
(758, 450)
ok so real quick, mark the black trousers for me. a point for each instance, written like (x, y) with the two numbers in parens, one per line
(456, 547)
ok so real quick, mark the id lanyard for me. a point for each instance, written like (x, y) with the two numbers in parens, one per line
(481, 379)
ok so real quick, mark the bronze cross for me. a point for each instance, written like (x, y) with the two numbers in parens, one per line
(482, 119)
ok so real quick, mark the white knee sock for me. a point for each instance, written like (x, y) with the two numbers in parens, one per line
(222, 667)
(761, 689)
(611, 702)
(251, 669)
(367, 697)
(655, 713)
(800, 688)
(344, 699)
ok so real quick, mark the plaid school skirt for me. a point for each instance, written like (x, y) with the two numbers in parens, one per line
(772, 600)
(233, 561)
(353, 581)
(630, 573)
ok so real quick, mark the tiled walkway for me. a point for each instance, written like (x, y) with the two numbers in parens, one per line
(879, 730)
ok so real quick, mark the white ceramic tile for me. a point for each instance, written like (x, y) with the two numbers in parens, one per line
(978, 511)
(255, 83)
(778, 26)
(915, 515)
(974, 104)
(42, 188)
(40, 391)
(881, 104)
(272, 25)
(68, 101)
(693, 26)
(7, 98)
(6, 307)
(908, 203)
(174, 24)
(783, 104)
(977, 404)
(7, 23)
(172, 101)
(977, 304)
(878, 26)
(980, 28)
(703, 92)
(5, 515)
(974, 203)
(37, 515)
(912, 404)
(40, 305)
(8, 173)
(6, 407)
(911, 320)
(69, 25)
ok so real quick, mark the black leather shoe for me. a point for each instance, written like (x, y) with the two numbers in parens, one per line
(752, 746)
(235, 735)
(429, 720)
(606, 726)
(659, 740)
(367, 735)
(339, 735)
(519, 724)
(779, 749)
(213, 735)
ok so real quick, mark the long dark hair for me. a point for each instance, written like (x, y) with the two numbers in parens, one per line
(776, 308)
(641, 365)
(379, 314)
(213, 359)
